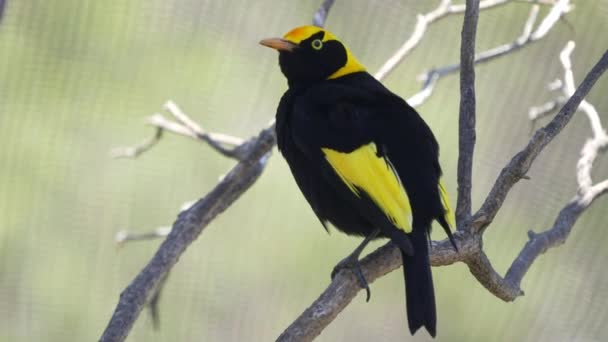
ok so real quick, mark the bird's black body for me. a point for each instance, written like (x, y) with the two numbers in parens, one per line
(343, 114)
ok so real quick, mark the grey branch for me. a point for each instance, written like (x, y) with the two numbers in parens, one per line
(466, 123)
(522, 161)
(227, 145)
(185, 230)
(445, 8)
(320, 16)
(135, 151)
(509, 287)
(345, 287)
(586, 194)
(528, 36)
(125, 236)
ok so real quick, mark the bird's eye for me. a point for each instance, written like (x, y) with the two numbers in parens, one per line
(317, 44)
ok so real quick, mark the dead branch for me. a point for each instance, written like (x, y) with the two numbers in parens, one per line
(226, 145)
(528, 36)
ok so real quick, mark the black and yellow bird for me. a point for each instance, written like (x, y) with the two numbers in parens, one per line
(364, 159)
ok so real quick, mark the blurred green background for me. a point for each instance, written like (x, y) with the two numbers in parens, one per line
(77, 77)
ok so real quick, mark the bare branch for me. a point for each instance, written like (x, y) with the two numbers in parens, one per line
(522, 161)
(509, 287)
(593, 146)
(538, 112)
(540, 243)
(216, 140)
(445, 8)
(186, 229)
(320, 16)
(135, 151)
(466, 123)
(431, 77)
(481, 268)
(2, 5)
(226, 145)
(125, 236)
(345, 287)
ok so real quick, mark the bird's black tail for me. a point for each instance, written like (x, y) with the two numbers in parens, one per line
(419, 292)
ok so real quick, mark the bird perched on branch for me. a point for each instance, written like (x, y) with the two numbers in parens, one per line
(364, 159)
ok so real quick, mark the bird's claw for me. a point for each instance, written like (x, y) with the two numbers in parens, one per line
(351, 263)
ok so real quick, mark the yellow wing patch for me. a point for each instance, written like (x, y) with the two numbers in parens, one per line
(363, 169)
(445, 200)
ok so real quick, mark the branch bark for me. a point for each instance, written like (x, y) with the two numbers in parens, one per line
(466, 122)
(445, 9)
(185, 230)
(558, 10)
(519, 165)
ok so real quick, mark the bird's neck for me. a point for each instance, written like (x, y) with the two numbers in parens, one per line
(296, 85)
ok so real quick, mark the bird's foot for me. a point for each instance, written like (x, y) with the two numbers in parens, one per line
(352, 263)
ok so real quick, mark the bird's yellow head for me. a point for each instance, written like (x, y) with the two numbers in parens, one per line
(309, 54)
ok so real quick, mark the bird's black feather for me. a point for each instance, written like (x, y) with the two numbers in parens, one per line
(343, 114)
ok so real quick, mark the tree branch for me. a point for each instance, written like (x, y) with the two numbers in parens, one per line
(226, 145)
(345, 286)
(509, 287)
(445, 9)
(320, 16)
(586, 194)
(522, 161)
(466, 122)
(185, 230)
(431, 77)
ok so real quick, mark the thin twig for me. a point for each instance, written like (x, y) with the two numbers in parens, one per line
(185, 230)
(135, 151)
(521, 162)
(216, 140)
(431, 77)
(125, 236)
(226, 145)
(509, 287)
(423, 21)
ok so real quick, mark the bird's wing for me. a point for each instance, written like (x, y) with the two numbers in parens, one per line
(365, 171)
(337, 134)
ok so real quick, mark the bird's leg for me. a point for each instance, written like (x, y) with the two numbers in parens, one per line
(351, 262)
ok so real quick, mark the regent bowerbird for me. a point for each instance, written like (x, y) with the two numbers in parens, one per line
(364, 159)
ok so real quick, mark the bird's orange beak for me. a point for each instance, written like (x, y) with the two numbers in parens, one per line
(279, 44)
